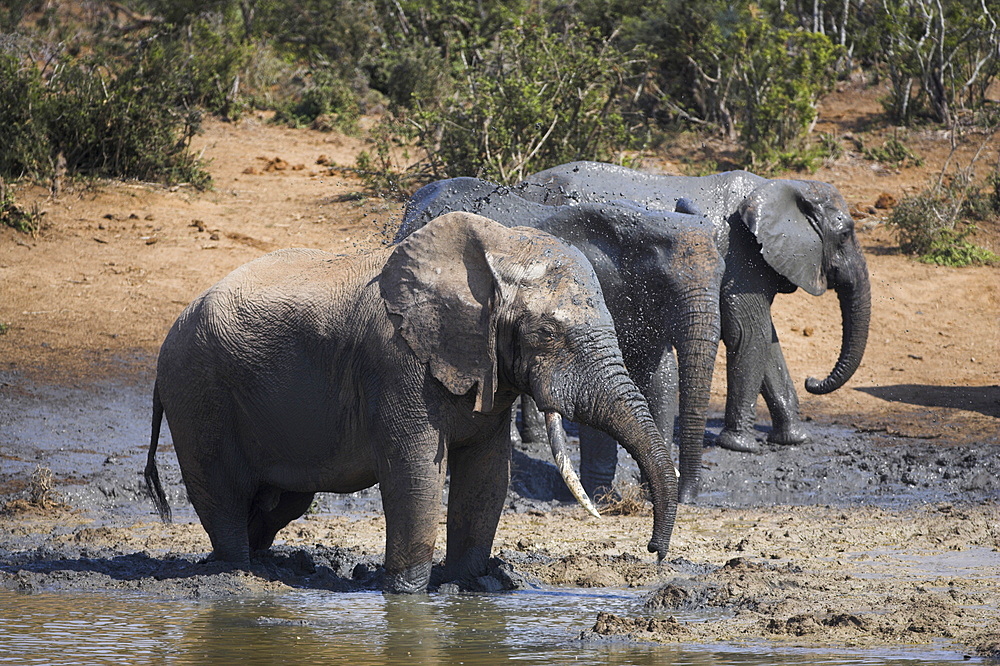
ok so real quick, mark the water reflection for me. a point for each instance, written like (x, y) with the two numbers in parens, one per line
(532, 627)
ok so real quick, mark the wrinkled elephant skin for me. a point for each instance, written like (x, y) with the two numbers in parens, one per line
(303, 372)
(775, 235)
(661, 275)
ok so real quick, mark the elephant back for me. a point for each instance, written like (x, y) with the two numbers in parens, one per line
(471, 195)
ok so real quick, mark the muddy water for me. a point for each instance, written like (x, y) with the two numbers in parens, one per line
(533, 627)
(108, 585)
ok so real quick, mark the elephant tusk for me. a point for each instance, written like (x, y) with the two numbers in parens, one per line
(557, 440)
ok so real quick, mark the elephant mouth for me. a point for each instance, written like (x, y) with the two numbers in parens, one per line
(557, 442)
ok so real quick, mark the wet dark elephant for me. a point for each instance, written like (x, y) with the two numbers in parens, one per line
(775, 235)
(303, 372)
(661, 275)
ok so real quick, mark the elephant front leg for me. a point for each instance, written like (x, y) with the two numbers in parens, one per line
(532, 422)
(480, 477)
(782, 400)
(661, 393)
(598, 462)
(411, 498)
(746, 332)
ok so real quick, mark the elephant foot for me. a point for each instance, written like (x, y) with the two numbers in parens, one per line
(687, 491)
(409, 581)
(792, 434)
(737, 441)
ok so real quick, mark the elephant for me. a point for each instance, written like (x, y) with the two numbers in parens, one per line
(304, 372)
(775, 235)
(661, 274)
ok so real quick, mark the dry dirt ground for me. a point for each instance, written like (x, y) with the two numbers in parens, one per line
(87, 301)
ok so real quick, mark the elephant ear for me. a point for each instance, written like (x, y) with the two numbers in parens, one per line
(442, 294)
(784, 217)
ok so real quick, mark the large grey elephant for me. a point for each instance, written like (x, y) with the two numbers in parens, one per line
(775, 235)
(303, 371)
(661, 275)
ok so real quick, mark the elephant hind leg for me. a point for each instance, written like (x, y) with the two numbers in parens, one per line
(221, 502)
(782, 400)
(272, 510)
(226, 524)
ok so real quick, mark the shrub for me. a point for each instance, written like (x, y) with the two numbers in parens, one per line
(536, 99)
(25, 142)
(414, 72)
(918, 222)
(15, 217)
(200, 63)
(782, 74)
(105, 119)
(125, 125)
(893, 151)
(951, 248)
(379, 171)
(326, 101)
(933, 224)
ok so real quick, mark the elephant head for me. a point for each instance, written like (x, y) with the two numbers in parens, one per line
(661, 274)
(774, 235)
(495, 312)
(806, 235)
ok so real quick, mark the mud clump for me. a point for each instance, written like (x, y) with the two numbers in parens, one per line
(809, 623)
(659, 629)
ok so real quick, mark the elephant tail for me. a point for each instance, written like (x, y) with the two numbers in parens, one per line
(152, 475)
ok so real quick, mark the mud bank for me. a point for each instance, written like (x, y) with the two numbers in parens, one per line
(859, 538)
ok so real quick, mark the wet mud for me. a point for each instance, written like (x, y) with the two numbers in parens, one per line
(860, 538)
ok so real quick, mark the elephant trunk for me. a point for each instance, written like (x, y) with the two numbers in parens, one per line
(854, 291)
(697, 343)
(620, 410)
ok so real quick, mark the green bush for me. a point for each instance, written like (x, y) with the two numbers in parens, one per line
(379, 171)
(536, 99)
(919, 220)
(414, 72)
(934, 226)
(781, 75)
(14, 216)
(951, 248)
(201, 64)
(326, 101)
(26, 150)
(893, 151)
(104, 120)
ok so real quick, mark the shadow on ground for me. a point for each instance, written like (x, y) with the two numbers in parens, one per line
(982, 399)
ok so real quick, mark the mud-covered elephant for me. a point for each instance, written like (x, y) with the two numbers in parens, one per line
(775, 235)
(303, 372)
(661, 276)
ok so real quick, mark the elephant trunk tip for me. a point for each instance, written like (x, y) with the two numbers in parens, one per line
(821, 386)
(854, 294)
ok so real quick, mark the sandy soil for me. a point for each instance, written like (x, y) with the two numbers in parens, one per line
(882, 531)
